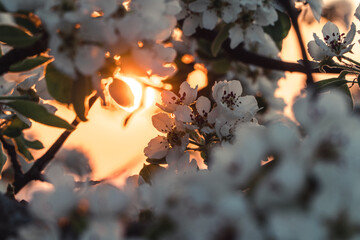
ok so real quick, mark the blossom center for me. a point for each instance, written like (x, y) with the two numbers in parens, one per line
(337, 43)
(230, 99)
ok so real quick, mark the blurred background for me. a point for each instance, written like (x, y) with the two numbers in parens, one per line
(116, 151)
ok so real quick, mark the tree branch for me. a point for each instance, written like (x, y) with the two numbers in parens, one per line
(289, 6)
(35, 172)
(11, 152)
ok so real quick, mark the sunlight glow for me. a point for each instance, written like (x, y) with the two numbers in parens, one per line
(149, 97)
(135, 88)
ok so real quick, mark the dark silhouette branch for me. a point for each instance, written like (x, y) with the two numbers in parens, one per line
(35, 172)
(290, 9)
(11, 152)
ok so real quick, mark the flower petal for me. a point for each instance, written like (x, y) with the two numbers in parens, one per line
(157, 148)
(203, 105)
(236, 35)
(162, 122)
(330, 32)
(199, 5)
(187, 93)
(350, 35)
(183, 113)
(316, 52)
(209, 19)
(190, 24)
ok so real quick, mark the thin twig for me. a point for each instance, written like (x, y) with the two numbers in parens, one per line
(290, 9)
(35, 172)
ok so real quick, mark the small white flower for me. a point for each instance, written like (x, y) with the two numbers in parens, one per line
(227, 94)
(171, 101)
(334, 44)
(160, 146)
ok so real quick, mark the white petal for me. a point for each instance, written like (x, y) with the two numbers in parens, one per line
(173, 7)
(162, 122)
(199, 5)
(236, 35)
(330, 31)
(316, 52)
(209, 19)
(203, 105)
(234, 86)
(316, 8)
(187, 93)
(183, 113)
(350, 35)
(190, 24)
(168, 97)
(229, 14)
(157, 148)
(248, 104)
(348, 49)
(321, 43)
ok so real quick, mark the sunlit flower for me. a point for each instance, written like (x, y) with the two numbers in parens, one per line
(334, 44)
(159, 146)
(170, 101)
(227, 95)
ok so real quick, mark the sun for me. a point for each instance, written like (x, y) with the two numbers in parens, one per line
(143, 96)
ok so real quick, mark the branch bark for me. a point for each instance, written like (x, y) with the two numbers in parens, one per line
(11, 152)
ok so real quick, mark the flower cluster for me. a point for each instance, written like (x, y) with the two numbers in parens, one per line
(196, 121)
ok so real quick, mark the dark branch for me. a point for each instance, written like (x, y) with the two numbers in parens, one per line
(290, 9)
(35, 172)
(11, 152)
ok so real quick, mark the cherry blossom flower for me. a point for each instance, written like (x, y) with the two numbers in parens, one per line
(334, 44)
(211, 10)
(160, 146)
(171, 101)
(227, 95)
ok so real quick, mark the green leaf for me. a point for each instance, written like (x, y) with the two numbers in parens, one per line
(36, 144)
(58, 84)
(22, 149)
(38, 113)
(280, 29)
(3, 157)
(16, 37)
(81, 89)
(327, 84)
(29, 23)
(15, 128)
(156, 161)
(220, 38)
(149, 171)
(29, 64)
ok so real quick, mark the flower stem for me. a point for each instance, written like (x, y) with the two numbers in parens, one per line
(351, 60)
(195, 143)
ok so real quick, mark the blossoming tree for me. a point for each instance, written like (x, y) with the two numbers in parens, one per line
(264, 176)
